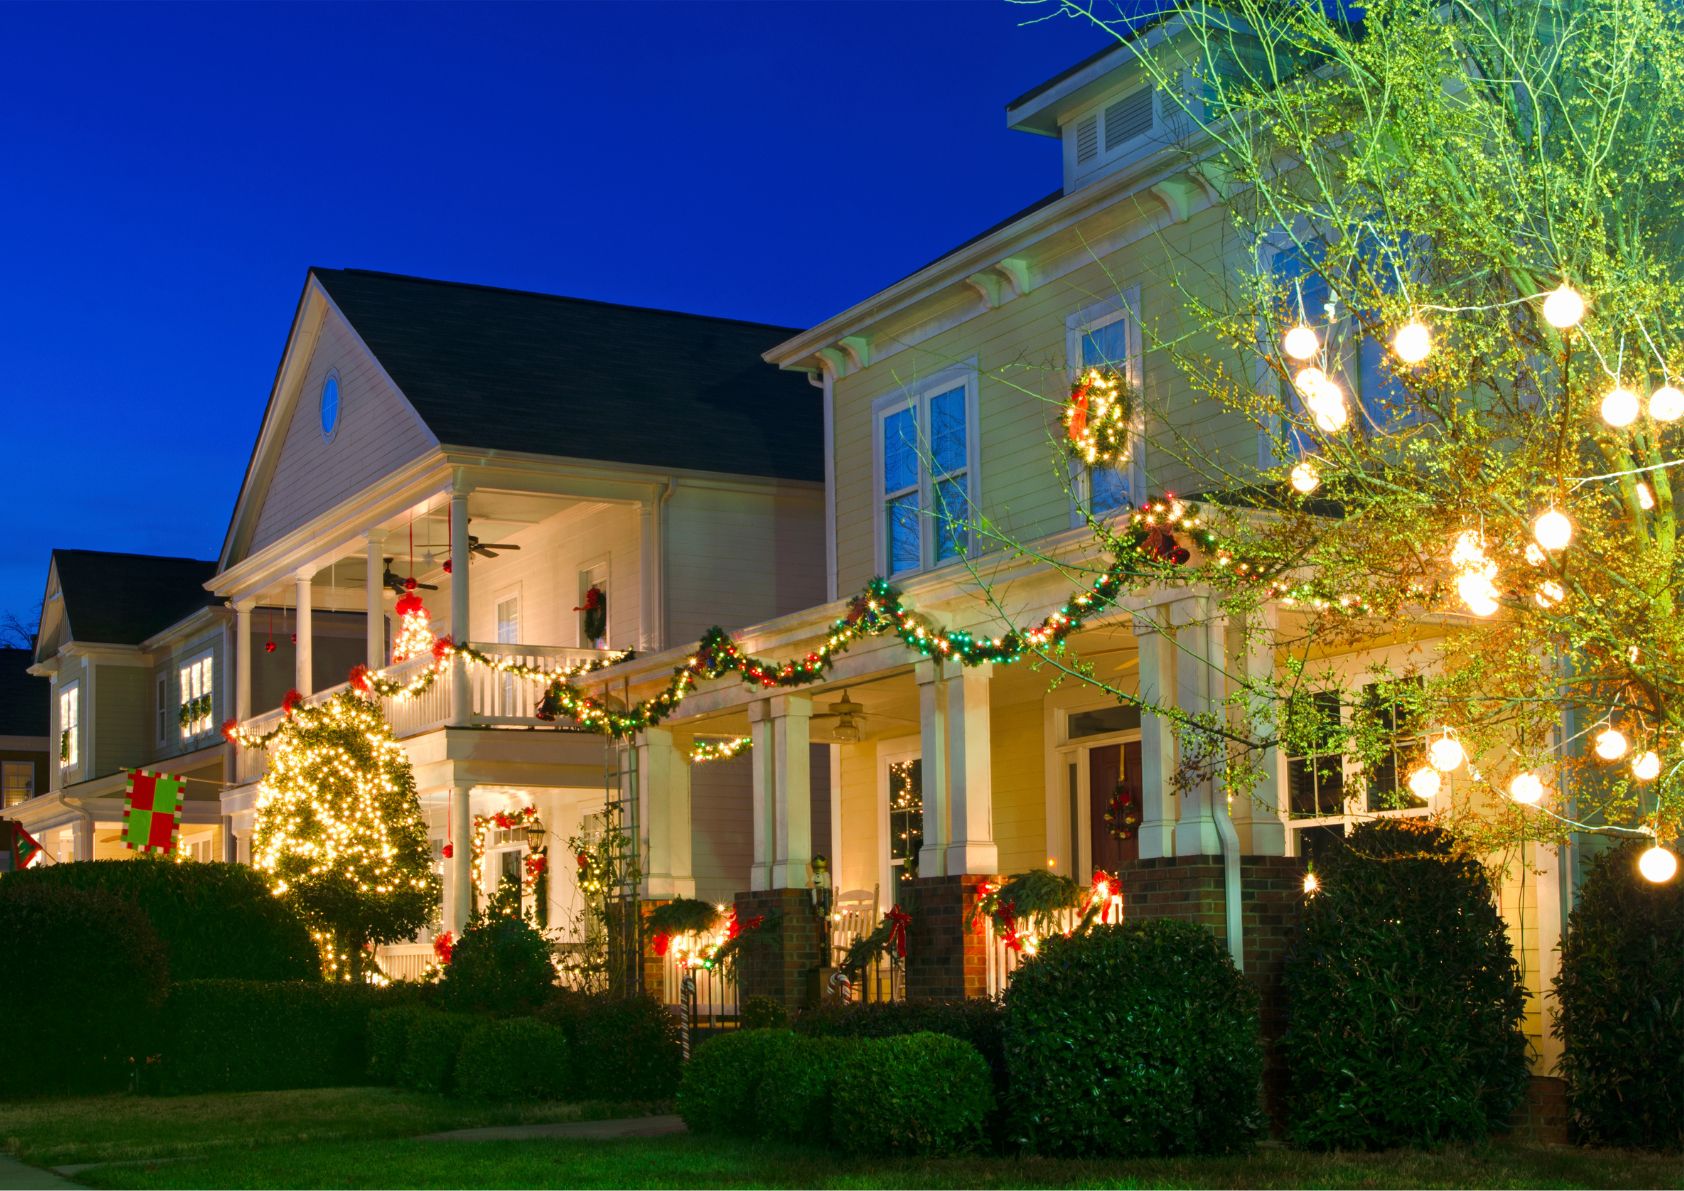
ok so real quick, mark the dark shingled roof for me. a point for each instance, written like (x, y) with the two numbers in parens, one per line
(122, 599)
(23, 697)
(499, 369)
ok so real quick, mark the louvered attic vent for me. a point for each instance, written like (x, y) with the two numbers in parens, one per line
(1087, 139)
(1117, 124)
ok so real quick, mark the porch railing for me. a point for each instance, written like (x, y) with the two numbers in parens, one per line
(494, 698)
(1004, 959)
(404, 961)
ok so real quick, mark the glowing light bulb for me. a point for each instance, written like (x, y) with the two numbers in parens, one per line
(1425, 783)
(1658, 865)
(1412, 342)
(1563, 307)
(1645, 496)
(1468, 550)
(1553, 530)
(1446, 753)
(1311, 884)
(1619, 408)
(1477, 590)
(1526, 788)
(1611, 744)
(1330, 417)
(1549, 594)
(1305, 478)
(1646, 766)
(1301, 343)
(1309, 382)
(1666, 404)
(1534, 555)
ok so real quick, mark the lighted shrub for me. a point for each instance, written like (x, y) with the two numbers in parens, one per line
(721, 1085)
(515, 1058)
(915, 1094)
(1621, 1016)
(1404, 1001)
(85, 976)
(1133, 1040)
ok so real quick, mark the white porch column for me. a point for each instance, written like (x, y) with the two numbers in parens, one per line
(458, 870)
(792, 762)
(242, 659)
(461, 698)
(649, 576)
(82, 837)
(1157, 739)
(765, 783)
(302, 671)
(230, 846)
(970, 772)
(1201, 689)
(374, 596)
(1260, 818)
(932, 731)
(663, 796)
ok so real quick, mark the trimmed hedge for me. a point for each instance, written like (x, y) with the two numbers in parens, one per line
(515, 1058)
(980, 1022)
(721, 1086)
(793, 1102)
(431, 1047)
(1404, 1000)
(388, 1040)
(1133, 1040)
(623, 1048)
(500, 964)
(262, 1035)
(216, 921)
(918, 1094)
(85, 977)
(1621, 1020)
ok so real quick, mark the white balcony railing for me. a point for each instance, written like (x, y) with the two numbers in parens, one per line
(494, 698)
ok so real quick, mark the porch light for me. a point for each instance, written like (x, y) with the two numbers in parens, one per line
(535, 833)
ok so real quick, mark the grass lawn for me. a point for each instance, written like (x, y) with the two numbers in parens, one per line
(364, 1137)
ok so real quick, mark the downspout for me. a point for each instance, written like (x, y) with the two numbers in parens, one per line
(1226, 834)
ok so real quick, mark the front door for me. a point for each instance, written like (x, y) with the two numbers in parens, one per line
(1113, 786)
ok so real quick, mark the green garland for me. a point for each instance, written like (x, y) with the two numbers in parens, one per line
(193, 709)
(720, 750)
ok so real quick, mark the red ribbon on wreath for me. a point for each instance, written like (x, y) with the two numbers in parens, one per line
(898, 920)
(660, 943)
(1076, 421)
(1007, 917)
(289, 701)
(359, 677)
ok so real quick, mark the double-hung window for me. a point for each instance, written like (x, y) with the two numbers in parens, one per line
(1106, 336)
(925, 474)
(17, 782)
(196, 711)
(69, 720)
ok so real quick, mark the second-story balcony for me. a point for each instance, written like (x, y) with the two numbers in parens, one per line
(494, 700)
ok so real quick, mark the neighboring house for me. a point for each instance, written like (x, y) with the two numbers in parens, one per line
(136, 654)
(24, 726)
(512, 452)
(954, 775)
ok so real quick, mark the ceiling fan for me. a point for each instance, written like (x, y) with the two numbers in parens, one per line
(488, 549)
(849, 717)
(399, 584)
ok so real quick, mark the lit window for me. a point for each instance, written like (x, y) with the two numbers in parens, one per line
(17, 782)
(906, 817)
(69, 718)
(1103, 337)
(196, 708)
(926, 479)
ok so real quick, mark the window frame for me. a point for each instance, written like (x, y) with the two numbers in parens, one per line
(1079, 324)
(7, 770)
(918, 398)
(166, 706)
(202, 665)
(1078, 172)
(69, 698)
(338, 382)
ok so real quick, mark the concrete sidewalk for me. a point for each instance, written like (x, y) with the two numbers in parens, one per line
(662, 1126)
(17, 1176)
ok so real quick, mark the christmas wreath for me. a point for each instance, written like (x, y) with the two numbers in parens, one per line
(1122, 812)
(595, 609)
(1099, 416)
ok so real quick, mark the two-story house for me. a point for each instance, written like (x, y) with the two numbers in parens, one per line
(562, 480)
(136, 652)
(941, 400)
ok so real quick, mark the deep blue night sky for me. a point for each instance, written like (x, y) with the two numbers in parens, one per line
(168, 173)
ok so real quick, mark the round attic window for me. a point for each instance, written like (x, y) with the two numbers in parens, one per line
(330, 405)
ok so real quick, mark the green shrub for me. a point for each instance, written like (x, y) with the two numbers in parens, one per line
(1133, 1040)
(515, 1058)
(1404, 1001)
(431, 1050)
(216, 921)
(917, 1094)
(1621, 1015)
(388, 1040)
(721, 1084)
(501, 964)
(977, 1021)
(260, 1035)
(763, 1013)
(794, 1100)
(628, 1049)
(85, 976)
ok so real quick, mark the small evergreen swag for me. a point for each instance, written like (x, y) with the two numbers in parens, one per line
(193, 710)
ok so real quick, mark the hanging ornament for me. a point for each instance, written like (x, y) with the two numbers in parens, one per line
(1553, 530)
(1301, 343)
(1658, 865)
(1305, 478)
(1526, 788)
(1099, 416)
(1412, 342)
(415, 633)
(1646, 766)
(1563, 307)
(1666, 404)
(1619, 408)
(1611, 744)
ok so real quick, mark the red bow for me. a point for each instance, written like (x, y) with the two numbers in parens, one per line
(443, 946)
(289, 701)
(593, 597)
(660, 943)
(442, 647)
(229, 727)
(898, 920)
(1078, 416)
(359, 677)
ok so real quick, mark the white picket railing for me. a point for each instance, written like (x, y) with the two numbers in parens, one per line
(405, 961)
(494, 698)
(1004, 960)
